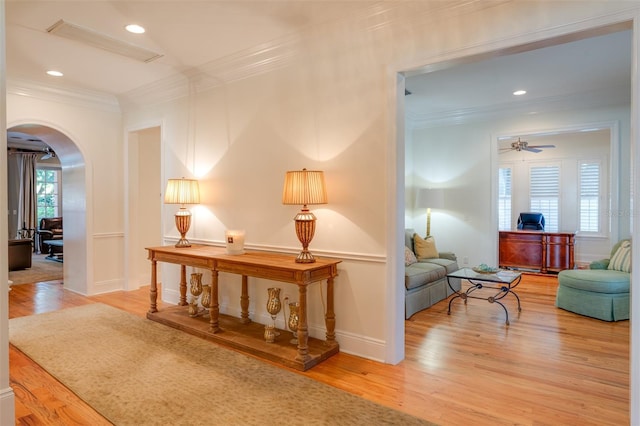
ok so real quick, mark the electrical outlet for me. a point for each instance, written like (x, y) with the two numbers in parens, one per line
(465, 260)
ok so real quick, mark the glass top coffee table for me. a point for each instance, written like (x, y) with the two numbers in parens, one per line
(502, 281)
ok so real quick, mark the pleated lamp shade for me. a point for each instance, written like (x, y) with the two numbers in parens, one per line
(182, 191)
(304, 187)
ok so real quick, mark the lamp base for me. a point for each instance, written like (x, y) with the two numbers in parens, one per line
(305, 256)
(183, 222)
(305, 228)
(183, 243)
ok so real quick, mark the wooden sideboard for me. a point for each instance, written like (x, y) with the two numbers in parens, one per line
(241, 333)
(546, 252)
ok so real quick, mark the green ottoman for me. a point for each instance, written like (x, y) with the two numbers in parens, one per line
(597, 293)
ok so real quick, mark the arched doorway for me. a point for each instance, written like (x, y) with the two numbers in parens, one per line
(74, 201)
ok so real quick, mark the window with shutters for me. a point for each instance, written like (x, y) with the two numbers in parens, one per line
(504, 198)
(590, 172)
(544, 194)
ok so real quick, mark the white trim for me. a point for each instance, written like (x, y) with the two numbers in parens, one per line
(7, 406)
(75, 97)
(342, 255)
(634, 329)
(99, 235)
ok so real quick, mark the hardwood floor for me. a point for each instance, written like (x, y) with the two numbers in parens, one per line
(549, 367)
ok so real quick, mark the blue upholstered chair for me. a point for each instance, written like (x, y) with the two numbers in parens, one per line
(602, 291)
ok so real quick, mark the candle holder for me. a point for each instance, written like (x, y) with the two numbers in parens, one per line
(294, 319)
(235, 241)
(273, 307)
(195, 288)
(205, 300)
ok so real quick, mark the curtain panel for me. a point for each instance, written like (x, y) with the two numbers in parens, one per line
(27, 207)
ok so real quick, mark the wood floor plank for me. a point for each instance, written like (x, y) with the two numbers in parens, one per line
(549, 367)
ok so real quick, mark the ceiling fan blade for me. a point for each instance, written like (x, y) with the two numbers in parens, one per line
(532, 149)
(542, 146)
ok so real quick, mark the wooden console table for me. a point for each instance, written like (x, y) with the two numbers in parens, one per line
(537, 250)
(241, 333)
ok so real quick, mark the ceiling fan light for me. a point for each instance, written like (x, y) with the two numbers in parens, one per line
(519, 92)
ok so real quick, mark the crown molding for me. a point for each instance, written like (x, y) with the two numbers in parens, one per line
(76, 97)
(281, 52)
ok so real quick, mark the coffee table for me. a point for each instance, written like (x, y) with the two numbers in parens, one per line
(503, 281)
(53, 255)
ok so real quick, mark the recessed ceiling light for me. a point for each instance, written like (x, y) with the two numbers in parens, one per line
(55, 73)
(135, 28)
(519, 92)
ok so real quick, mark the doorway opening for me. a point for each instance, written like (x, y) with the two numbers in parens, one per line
(71, 163)
(440, 133)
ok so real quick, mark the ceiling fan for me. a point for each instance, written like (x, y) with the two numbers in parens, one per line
(524, 146)
(48, 154)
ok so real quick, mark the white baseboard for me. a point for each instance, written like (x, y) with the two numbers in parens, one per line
(7, 407)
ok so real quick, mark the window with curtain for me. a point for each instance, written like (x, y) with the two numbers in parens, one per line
(590, 172)
(544, 194)
(48, 192)
(504, 198)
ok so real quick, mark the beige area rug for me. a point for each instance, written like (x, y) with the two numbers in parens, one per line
(41, 270)
(138, 372)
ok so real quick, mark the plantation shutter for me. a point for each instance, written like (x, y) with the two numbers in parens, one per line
(544, 194)
(504, 198)
(590, 197)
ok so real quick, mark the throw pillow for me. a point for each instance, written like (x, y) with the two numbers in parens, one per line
(425, 247)
(621, 259)
(409, 257)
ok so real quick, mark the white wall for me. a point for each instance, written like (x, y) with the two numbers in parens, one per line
(143, 213)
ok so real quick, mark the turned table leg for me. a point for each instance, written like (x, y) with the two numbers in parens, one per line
(303, 334)
(330, 317)
(183, 286)
(214, 308)
(153, 293)
(244, 301)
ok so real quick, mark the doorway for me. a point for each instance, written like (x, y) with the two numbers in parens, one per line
(75, 271)
(482, 144)
(143, 202)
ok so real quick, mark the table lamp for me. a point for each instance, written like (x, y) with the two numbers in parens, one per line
(182, 191)
(430, 199)
(304, 187)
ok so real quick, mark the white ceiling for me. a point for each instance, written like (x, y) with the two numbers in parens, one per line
(187, 33)
(190, 34)
(592, 71)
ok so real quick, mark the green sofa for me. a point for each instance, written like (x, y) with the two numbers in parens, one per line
(426, 280)
(598, 292)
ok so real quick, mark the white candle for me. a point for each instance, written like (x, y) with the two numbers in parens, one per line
(235, 241)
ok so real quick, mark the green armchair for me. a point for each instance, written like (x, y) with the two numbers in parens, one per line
(602, 291)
